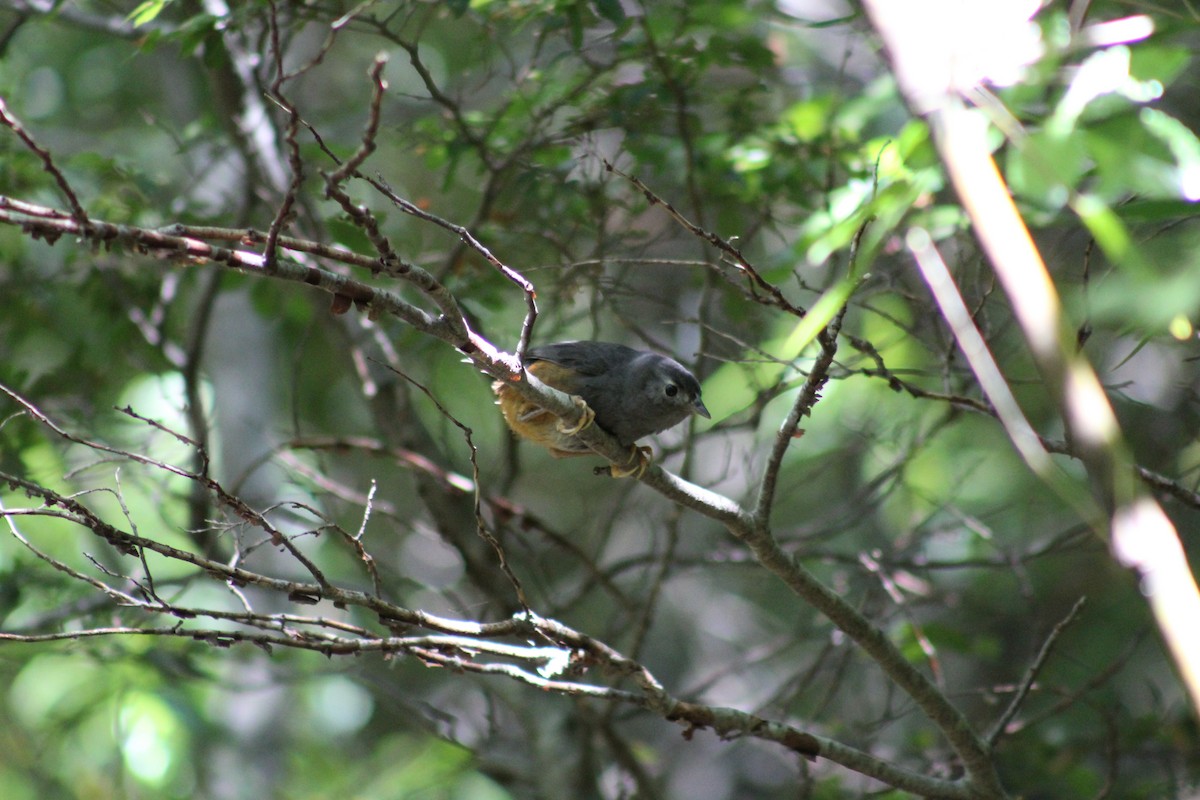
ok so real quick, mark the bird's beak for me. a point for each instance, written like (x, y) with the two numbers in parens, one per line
(698, 407)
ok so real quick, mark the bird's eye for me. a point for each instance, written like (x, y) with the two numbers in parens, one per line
(672, 390)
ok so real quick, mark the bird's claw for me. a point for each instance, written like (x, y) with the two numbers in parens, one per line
(643, 455)
(586, 417)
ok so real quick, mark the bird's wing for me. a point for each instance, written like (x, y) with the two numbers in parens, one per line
(585, 358)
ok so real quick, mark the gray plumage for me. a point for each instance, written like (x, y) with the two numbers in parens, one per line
(634, 392)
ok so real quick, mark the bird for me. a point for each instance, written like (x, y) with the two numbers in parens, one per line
(627, 392)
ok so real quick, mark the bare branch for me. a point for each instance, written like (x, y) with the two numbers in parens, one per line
(469, 239)
(358, 214)
(789, 430)
(480, 524)
(77, 213)
(295, 163)
(739, 260)
(1035, 668)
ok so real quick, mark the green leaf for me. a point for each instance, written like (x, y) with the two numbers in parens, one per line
(611, 10)
(1184, 146)
(808, 119)
(741, 51)
(1110, 233)
(736, 385)
(1047, 167)
(1146, 210)
(146, 12)
(1129, 159)
(749, 157)
(1161, 63)
(349, 235)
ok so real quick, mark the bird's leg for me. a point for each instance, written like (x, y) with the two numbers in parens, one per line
(586, 417)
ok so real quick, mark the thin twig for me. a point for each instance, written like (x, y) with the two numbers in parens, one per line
(360, 215)
(724, 245)
(526, 286)
(788, 431)
(1035, 668)
(295, 162)
(480, 524)
(77, 212)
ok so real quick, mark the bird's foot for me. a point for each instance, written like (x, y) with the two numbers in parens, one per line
(586, 417)
(643, 456)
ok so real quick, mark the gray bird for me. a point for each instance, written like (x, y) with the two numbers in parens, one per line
(629, 393)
